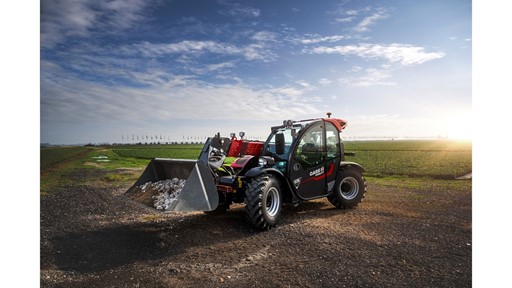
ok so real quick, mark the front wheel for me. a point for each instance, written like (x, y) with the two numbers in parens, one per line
(350, 189)
(263, 201)
(222, 208)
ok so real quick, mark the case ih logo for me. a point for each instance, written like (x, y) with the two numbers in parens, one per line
(317, 172)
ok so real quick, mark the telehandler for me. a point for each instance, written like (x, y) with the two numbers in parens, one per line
(300, 160)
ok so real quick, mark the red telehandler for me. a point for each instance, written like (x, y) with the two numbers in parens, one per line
(299, 161)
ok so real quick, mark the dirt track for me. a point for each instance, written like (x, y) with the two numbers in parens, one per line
(96, 237)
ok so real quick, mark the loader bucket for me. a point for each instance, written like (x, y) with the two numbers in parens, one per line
(199, 192)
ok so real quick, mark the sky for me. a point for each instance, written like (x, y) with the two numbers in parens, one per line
(75, 72)
(122, 71)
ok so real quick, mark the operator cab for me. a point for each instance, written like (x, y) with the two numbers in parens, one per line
(308, 152)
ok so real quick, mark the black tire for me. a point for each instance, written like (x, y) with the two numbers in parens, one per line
(223, 207)
(350, 189)
(225, 200)
(263, 201)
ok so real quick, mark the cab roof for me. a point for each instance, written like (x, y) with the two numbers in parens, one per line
(340, 124)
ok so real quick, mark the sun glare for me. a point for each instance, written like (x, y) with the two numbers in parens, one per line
(458, 126)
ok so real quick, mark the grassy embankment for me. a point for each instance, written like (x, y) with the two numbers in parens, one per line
(58, 163)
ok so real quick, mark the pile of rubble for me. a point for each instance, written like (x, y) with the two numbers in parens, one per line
(164, 193)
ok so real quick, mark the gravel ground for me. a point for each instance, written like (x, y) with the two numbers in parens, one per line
(94, 236)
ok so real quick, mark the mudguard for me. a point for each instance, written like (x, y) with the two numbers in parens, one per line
(348, 164)
(260, 170)
(288, 189)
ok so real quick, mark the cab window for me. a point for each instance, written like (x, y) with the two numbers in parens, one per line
(332, 141)
(289, 135)
(311, 146)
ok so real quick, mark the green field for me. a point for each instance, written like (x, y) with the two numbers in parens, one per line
(54, 155)
(434, 160)
(175, 151)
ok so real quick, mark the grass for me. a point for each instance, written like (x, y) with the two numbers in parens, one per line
(176, 151)
(411, 163)
(416, 159)
(57, 163)
(408, 145)
(108, 158)
(438, 185)
(54, 155)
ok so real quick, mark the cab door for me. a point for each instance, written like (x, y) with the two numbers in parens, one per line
(333, 154)
(307, 168)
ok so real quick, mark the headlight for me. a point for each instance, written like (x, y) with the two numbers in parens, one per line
(266, 161)
(288, 123)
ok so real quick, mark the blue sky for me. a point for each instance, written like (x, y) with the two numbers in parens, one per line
(111, 71)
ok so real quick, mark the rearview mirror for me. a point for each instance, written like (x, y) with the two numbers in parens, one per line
(280, 143)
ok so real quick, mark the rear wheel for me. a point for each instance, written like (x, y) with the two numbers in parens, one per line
(263, 202)
(350, 189)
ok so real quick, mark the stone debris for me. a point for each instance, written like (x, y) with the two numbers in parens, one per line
(165, 192)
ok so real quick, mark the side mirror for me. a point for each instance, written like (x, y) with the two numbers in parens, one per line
(280, 144)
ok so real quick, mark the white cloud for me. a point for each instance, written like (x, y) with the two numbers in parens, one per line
(364, 25)
(197, 69)
(395, 53)
(371, 77)
(356, 68)
(155, 50)
(219, 66)
(238, 10)
(159, 78)
(256, 51)
(344, 20)
(62, 19)
(313, 39)
(304, 84)
(324, 81)
(265, 36)
(72, 100)
(125, 13)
